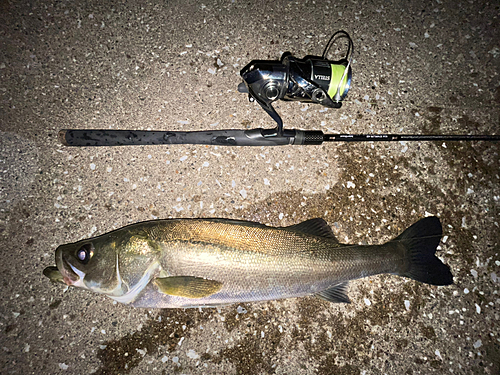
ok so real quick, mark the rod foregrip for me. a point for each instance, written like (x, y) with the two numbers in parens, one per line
(313, 137)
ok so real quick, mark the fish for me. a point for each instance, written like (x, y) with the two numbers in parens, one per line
(188, 263)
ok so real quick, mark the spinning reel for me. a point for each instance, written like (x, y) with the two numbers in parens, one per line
(313, 79)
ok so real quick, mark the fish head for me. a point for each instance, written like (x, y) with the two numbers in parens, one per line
(111, 264)
(89, 264)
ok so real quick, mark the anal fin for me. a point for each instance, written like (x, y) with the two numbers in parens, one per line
(335, 294)
(187, 286)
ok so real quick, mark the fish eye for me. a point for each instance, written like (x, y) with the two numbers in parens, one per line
(84, 253)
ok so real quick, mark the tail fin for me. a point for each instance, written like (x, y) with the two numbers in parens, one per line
(421, 241)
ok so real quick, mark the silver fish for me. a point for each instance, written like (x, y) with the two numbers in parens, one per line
(213, 262)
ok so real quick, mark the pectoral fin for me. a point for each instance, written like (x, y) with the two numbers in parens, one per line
(54, 274)
(187, 286)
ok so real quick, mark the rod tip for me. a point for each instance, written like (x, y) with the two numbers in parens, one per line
(62, 137)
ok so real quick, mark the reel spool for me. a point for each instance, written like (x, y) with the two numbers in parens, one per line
(313, 79)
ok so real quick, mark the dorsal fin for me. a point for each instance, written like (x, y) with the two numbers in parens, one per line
(316, 227)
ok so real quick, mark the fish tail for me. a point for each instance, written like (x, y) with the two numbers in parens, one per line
(420, 241)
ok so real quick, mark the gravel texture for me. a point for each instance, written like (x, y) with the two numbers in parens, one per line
(420, 67)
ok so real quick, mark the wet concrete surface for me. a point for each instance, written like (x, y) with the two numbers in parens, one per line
(420, 67)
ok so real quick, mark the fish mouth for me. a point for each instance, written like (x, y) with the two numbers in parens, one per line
(53, 273)
(71, 275)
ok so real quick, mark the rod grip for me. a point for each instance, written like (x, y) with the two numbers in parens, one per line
(230, 137)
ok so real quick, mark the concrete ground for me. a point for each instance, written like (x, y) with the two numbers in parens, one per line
(420, 67)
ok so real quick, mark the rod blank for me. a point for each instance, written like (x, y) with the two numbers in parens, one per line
(407, 137)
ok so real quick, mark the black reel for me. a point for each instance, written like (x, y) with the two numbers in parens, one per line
(313, 79)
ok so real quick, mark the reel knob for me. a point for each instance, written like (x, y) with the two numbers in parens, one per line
(272, 91)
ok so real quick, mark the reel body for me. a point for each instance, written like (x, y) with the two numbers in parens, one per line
(313, 79)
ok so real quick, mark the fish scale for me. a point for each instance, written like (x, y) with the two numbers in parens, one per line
(211, 262)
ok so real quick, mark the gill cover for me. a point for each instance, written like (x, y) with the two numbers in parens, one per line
(313, 79)
(118, 264)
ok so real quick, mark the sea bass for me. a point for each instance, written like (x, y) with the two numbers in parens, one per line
(212, 262)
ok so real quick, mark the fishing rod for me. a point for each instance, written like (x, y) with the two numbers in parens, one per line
(312, 79)
(235, 137)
